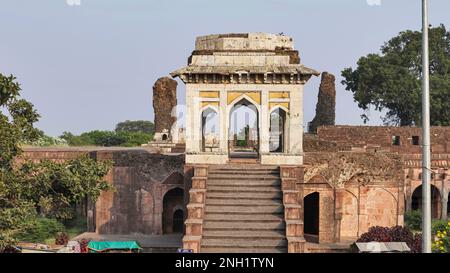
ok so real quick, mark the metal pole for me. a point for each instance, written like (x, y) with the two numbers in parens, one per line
(426, 154)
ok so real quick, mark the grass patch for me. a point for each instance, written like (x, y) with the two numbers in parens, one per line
(44, 230)
(75, 226)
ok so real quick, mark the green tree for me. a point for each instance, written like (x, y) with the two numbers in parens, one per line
(29, 189)
(16, 125)
(391, 80)
(136, 126)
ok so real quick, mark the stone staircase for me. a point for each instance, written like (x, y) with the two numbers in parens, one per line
(244, 210)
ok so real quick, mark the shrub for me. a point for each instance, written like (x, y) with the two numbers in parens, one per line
(61, 238)
(441, 243)
(439, 225)
(83, 245)
(40, 230)
(393, 234)
(413, 219)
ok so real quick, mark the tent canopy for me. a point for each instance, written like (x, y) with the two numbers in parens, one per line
(105, 246)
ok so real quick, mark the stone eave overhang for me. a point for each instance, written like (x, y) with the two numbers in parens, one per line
(287, 74)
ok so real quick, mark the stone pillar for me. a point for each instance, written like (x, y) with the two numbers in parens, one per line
(223, 121)
(264, 123)
(296, 121)
(408, 195)
(338, 211)
(444, 203)
(90, 215)
(193, 118)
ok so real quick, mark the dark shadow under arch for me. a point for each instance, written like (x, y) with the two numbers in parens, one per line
(172, 201)
(311, 204)
(416, 201)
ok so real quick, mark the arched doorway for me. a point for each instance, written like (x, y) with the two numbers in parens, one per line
(448, 205)
(244, 130)
(311, 204)
(177, 225)
(277, 138)
(210, 130)
(172, 202)
(416, 201)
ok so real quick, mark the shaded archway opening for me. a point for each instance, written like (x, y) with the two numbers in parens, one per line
(311, 205)
(177, 225)
(210, 130)
(172, 202)
(448, 206)
(243, 132)
(277, 138)
(416, 201)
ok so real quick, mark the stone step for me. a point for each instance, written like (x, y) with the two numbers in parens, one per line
(244, 177)
(244, 243)
(214, 188)
(244, 195)
(245, 172)
(244, 209)
(243, 202)
(249, 161)
(233, 217)
(243, 234)
(239, 166)
(212, 249)
(243, 225)
(246, 183)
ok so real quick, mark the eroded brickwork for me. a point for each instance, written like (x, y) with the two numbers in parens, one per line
(326, 103)
(164, 101)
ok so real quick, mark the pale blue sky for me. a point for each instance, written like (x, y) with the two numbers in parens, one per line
(90, 66)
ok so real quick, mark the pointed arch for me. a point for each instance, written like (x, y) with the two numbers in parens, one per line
(245, 140)
(174, 178)
(172, 201)
(210, 127)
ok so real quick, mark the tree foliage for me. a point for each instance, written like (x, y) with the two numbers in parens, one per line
(31, 189)
(107, 138)
(391, 80)
(136, 126)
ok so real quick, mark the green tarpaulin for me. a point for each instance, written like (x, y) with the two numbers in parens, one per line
(105, 246)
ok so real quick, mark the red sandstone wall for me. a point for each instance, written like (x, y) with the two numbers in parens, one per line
(141, 180)
(380, 138)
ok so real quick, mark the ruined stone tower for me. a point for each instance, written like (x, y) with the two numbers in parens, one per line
(326, 103)
(164, 101)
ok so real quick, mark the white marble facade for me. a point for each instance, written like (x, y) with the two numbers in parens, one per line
(257, 67)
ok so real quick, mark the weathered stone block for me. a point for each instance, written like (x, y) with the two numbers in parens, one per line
(197, 196)
(199, 182)
(294, 228)
(290, 197)
(292, 212)
(195, 211)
